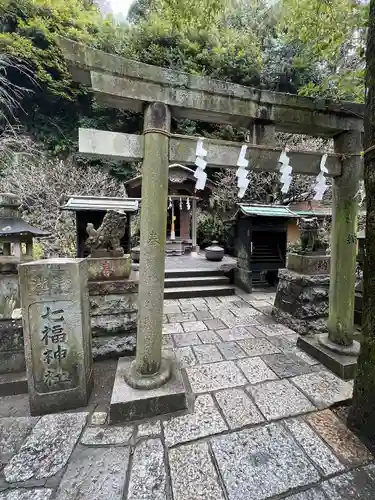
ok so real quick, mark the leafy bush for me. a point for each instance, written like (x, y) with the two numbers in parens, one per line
(210, 228)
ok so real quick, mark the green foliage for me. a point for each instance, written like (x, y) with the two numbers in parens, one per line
(210, 228)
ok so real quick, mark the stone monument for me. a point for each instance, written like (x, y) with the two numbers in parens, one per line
(302, 293)
(57, 335)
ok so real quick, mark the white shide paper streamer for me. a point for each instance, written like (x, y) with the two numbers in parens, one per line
(201, 164)
(286, 171)
(241, 174)
(321, 182)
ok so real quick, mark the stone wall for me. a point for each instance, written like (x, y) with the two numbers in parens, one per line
(301, 301)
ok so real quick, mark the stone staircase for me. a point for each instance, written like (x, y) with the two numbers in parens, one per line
(189, 283)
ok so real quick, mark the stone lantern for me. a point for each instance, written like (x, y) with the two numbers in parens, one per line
(16, 247)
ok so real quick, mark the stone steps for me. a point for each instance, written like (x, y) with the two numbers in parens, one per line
(13, 383)
(186, 273)
(190, 281)
(198, 291)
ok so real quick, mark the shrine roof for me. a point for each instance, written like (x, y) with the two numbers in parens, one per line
(14, 226)
(101, 203)
(267, 211)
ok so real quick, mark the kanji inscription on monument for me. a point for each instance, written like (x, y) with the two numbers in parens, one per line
(57, 333)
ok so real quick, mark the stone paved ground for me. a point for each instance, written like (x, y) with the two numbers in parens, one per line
(260, 427)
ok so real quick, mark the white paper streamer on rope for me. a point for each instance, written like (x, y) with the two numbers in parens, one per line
(201, 164)
(321, 182)
(188, 204)
(241, 174)
(180, 203)
(170, 203)
(286, 171)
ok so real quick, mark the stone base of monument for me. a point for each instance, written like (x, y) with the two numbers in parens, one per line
(340, 363)
(129, 404)
(243, 279)
(109, 268)
(301, 301)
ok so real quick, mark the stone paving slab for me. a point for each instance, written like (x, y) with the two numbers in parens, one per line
(347, 447)
(208, 337)
(276, 330)
(262, 462)
(48, 448)
(207, 353)
(324, 388)
(204, 421)
(214, 376)
(235, 333)
(98, 418)
(152, 428)
(256, 370)
(185, 356)
(288, 344)
(172, 328)
(203, 315)
(238, 409)
(215, 324)
(314, 447)
(193, 474)
(313, 494)
(194, 326)
(185, 339)
(279, 399)
(355, 485)
(27, 494)
(13, 432)
(257, 347)
(231, 350)
(288, 365)
(181, 317)
(148, 479)
(96, 436)
(167, 341)
(95, 474)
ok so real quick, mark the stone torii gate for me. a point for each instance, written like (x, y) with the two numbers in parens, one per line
(161, 93)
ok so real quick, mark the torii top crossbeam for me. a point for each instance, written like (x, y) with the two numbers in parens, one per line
(128, 84)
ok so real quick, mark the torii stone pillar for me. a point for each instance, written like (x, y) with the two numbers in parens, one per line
(344, 247)
(151, 384)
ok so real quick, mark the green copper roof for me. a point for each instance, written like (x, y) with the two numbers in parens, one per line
(267, 211)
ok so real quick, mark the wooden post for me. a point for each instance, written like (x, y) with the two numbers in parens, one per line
(194, 224)
(344, 241)
(149, 369)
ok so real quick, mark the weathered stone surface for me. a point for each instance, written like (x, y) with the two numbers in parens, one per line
(208, 337)
(113, 304)
(180, 317)
(231, 350)
(356, 485)
(148, 479)
(12, 356)
(257, 347)
(171, 308)
(204, 421)
(47, 449)
(261, 463)
(288, 345)
(273, 329)
(235, 333)
(279, 399)
(118, 287)
(95, 474)
(314, 447)
(324, 388)
(214, 324)
(152, 428)
(238, 408)
(167, 341)
(56, 320)
(193, 474)
(13, 432)
(113, 324)
(172, 328)
(207, 353)
(185, 356)
(347, 447)
(185, 339)
(96, 436)
(27, 494)
(203, 315)
(113, 347)
(301, 301)
(256, 370)
(194, 326)
(98, 418)
(287, 365)
(309, 264)
(212, 377)
(313, 494)
(109, 268)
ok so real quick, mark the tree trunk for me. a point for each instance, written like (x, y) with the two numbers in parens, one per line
(362, 413)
